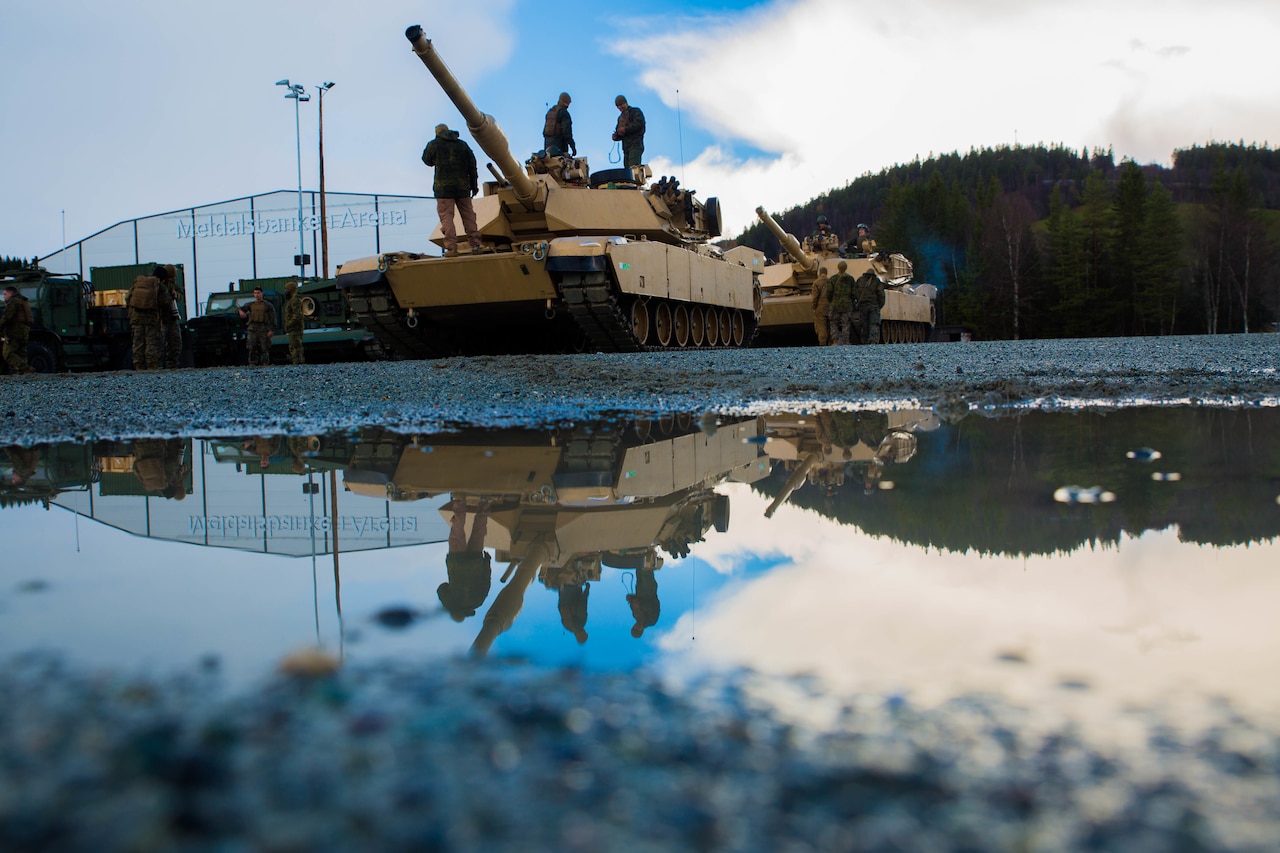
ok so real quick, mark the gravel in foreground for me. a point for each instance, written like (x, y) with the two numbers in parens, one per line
(424, 396)
(463, 757)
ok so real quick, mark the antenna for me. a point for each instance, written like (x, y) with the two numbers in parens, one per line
(680, 134)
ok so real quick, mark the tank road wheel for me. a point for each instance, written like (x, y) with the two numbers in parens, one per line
(681, 319)
(640, 321)
(697, 326)
(712, 325)
(663, 324)
(726, 326)
(739, 328)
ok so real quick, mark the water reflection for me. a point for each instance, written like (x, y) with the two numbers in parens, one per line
(892, 549)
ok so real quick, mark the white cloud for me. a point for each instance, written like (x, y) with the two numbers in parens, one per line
(832, 89)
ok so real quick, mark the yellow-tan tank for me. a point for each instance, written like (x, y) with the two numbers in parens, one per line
(570, 260)
(787, 288)
(562, 504)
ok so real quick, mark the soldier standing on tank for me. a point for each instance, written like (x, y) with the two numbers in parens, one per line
(841, 304)
(557, 132)
(262, 321)
(15, 328)
(144, 300)
(821, 302)
(868, 295)
(293, 322)
(456, 182)
(170, 316)
(630, 132)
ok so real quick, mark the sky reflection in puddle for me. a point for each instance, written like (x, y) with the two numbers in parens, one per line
(1044, 557)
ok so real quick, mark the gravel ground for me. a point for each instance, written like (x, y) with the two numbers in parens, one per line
(509, 757)
(1229, 370)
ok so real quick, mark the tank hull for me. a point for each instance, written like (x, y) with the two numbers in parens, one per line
(565, 294)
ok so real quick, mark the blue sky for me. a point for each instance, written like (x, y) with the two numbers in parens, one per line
(137, 107)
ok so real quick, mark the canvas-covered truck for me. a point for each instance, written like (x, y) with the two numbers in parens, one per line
(331, 333)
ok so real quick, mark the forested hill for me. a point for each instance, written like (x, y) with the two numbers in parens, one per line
(1043, 241)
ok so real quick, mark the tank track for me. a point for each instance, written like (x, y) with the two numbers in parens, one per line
(594, 305)
(388, 323)
(590, 299)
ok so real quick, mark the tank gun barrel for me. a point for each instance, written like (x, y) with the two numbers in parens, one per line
(795, 481)
(789, 243)
(482, 125)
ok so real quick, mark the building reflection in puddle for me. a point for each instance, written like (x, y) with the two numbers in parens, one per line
(886, 550)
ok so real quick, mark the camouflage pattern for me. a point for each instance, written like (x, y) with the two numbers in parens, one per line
(869, 295)
(261, 316)
(841, 307)
(293, 325)
(455, 164)
(159, 466)
(821, 302)
(558, 130)
(630, 132)
(645, 607)
(16, 332)
(144, 323)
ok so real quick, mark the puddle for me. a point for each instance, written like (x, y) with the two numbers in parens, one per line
(1055, 559)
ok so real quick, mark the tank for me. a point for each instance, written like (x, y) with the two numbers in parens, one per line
(571, 260)
(787, 286)
(563, 506)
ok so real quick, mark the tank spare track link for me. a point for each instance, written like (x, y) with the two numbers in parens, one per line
(376, 308)
(593, 305)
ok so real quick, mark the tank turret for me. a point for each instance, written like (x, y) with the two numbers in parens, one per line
(569, 260)
(789, 243)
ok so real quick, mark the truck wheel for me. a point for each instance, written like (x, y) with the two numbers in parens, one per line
(41, 358)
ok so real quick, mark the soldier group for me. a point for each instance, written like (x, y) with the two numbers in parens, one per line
(260, 318)
(457, 180)
(841, 301)
(154, 319)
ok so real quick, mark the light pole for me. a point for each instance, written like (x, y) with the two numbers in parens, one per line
(324, 213)
(297, 92)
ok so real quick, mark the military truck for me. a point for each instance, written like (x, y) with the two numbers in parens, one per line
(79, 325)
(218, 336)
(786, 317)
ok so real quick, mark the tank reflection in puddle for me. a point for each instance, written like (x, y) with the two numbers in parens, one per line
(560, 506)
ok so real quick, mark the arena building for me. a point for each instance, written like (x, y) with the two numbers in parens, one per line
(256, 237)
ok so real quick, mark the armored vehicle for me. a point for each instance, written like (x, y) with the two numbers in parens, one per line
(787, 286)
(217, 337)
(570, 260)
(78, 325)
(564, 505)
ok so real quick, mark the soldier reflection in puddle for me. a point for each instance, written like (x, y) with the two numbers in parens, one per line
(160, 467)
(573, 609)
(25, 461)
(645, 607)
(468, 564)
(264, 447)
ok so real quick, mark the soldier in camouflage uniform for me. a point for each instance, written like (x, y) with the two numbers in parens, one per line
(630, 132)
(557, 131)
(821, 302)
(146, 296)
(456, 181)
(868, 296)
(841, 304)
(15, 327)
(645, 607)
(159, 466)
(261, 315)
(171, 317)
(293, 322)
